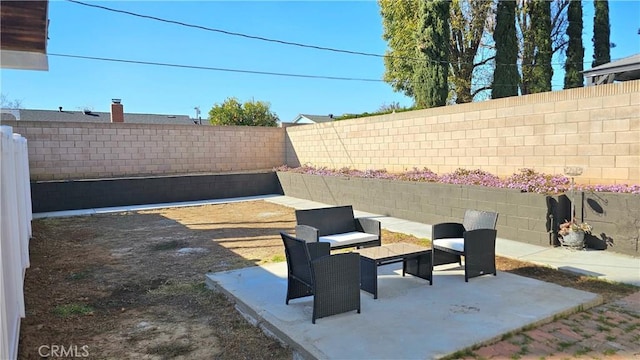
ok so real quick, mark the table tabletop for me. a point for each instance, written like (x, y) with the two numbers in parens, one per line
(392, 251)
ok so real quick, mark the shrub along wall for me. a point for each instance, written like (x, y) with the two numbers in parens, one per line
(525, 217)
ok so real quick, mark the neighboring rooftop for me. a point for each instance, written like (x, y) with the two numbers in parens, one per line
(312, 119)
(625, 69)
(91, 116)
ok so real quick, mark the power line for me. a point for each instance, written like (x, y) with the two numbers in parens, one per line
(215, 68)
(229, 32)
(254, 72)
(254, 37)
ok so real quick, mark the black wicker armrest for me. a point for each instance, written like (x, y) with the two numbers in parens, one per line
(336, 286)
(447, 231)
(480, 241)
(307, 233)
(370, 226)
(318, 249)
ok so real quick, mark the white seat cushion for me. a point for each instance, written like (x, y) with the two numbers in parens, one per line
(349, 238)
(456, 244)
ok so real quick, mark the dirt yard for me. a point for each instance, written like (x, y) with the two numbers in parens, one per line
(131, 285)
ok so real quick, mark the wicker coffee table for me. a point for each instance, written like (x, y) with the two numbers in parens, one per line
(416, 261)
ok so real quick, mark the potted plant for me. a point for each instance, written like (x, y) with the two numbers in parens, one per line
(572, 233)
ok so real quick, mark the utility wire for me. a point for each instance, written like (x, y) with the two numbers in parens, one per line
(215, 68)
(254, 72)
(228, 32)
(231, 33)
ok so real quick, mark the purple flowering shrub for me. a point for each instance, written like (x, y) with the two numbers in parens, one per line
(424, 175)
(471, 177)
(527, 180)
(530, 181)
(617, 188)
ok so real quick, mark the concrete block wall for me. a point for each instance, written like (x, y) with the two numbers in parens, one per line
(100, 193)
(597, 128)
(523, 217)
(72, 150)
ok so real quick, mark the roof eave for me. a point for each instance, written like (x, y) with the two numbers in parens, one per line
(24, 60)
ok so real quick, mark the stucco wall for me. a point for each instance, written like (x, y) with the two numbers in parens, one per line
(71, 150)
(597, 128)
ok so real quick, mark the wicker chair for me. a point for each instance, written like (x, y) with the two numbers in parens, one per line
(474, 238)
(332, 280)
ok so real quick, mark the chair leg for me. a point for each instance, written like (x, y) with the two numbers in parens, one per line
(297, 289)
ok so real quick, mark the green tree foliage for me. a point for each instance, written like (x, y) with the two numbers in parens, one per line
(387, 108)
(430, 81)
(575, 51)
(528, 46)
(537, 31)
(468, 22)
(251, 113)
(542, 70)
(505, 75)
(400, 25)
(601, 33)
(528, 16)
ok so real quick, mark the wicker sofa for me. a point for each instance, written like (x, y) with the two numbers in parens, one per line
(337, 226)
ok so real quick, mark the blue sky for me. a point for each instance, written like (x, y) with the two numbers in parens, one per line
(75, 84)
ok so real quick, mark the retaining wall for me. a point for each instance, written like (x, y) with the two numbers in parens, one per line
(99, 193)
(525, 217)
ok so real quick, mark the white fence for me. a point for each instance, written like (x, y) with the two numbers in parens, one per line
(15, 232)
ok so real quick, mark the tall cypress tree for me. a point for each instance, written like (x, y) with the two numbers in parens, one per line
(601, 32)
(505, 75)
(543, 71)
(430, 82)
(575, 51)
(527, 14)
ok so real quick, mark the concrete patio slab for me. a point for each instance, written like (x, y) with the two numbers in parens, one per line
(409, 320)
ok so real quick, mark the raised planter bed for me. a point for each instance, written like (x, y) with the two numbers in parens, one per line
(523, 217)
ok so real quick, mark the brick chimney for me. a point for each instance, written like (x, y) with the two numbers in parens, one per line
(117, 111)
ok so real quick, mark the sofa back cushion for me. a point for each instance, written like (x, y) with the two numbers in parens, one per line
(328, 221)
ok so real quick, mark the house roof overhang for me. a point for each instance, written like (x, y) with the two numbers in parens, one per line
(23, 34)
(621, 70)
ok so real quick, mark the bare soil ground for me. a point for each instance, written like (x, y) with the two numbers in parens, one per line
(131, 285)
